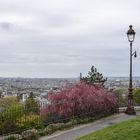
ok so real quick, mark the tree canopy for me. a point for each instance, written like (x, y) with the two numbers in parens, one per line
(94, 77)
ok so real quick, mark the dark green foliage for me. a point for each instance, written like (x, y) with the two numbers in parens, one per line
(28, 121)
(9, 116)
(137, 96)
(7, 102)
(15, 117)
(94, 77)
(31, 134)
(31, 105)
(121, 94)
(13, 137)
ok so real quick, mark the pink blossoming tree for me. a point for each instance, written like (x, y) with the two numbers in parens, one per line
(82, 99)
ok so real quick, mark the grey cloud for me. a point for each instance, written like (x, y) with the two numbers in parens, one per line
(58, 20)
(69, 36)
(72, 55)
(5, 25)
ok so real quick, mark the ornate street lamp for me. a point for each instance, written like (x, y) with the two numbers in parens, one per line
(130, 107)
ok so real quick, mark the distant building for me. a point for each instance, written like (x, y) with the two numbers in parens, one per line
(23, 97)
(80, 76)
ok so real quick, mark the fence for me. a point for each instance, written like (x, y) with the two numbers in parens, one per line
(24, 123)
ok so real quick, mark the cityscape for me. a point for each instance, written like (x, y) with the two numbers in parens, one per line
(41, 86)
(69, 70)
(22, 87)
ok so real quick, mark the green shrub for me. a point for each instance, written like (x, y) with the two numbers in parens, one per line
(9, 116)
(42, 132)
(78, 120)
(31, 134)
(28, 121)
(8, 126)
(46, 117)
(69, 124)
(31, 105)
(7, 102)
(122, 96)
(75, 122)
(57, 126)
(86, 120)
(137, 96)
(13, 137)
(48, 129)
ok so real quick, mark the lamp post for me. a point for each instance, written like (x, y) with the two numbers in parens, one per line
(130, 107)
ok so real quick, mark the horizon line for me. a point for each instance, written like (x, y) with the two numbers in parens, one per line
(63, 77)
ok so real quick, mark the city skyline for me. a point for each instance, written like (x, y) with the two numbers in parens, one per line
(51, 38)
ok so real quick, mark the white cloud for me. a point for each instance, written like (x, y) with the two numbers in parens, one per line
(51, 38)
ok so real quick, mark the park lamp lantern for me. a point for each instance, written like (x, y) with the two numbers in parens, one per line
(131, 34)
(130, 106)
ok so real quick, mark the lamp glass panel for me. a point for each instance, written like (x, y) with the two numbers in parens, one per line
(131, 37)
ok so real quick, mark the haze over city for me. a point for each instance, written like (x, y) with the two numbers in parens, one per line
(51, 38)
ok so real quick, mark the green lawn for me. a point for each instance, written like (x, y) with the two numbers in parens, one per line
(128, 130)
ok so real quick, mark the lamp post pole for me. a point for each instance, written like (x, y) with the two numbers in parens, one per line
(130, 107)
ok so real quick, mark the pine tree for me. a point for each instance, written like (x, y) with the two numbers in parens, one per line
(94, 77)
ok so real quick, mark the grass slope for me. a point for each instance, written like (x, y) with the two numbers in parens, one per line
(128, 130)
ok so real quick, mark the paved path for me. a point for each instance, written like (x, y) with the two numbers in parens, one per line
(88, 128)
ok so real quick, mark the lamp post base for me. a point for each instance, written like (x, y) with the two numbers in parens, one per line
(130, 110)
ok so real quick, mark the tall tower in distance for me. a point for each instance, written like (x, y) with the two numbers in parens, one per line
(80, 76)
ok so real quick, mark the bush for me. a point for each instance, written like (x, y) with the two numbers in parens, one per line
(31, 105)
(31, 134)
(85, 120)
(13, 137)
(46, 117)
(57, 126)
(9, 116)
(49, 129)
(28, 121)
(137, 96)
(122, 96)
(69, 124)
(52, 128)
(83, 100)
(75, 122)
(42, 132)
(7, 102)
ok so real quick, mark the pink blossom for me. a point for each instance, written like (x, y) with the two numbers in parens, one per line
(83, 99)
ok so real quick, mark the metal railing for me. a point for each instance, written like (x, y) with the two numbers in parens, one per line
(22, 123)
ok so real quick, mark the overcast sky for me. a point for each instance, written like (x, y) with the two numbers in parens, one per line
(61, 38)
